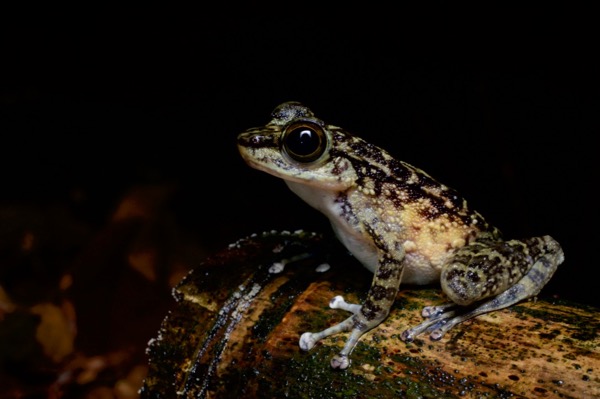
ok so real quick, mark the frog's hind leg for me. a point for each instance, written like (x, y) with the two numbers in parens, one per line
(508, 271)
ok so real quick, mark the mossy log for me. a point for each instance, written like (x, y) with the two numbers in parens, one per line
(234, 331)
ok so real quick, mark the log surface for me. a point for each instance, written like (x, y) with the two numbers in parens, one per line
(234, 330)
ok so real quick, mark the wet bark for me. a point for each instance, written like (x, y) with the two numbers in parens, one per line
(234, 329)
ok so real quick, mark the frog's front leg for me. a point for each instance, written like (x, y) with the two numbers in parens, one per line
(509, 272)
(374, 310)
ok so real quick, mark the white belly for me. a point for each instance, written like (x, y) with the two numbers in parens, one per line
(353, 240)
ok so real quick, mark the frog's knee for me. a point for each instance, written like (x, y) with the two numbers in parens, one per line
(553, 249)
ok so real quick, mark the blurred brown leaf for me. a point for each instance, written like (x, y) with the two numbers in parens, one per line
(55, 331)
(79, 302)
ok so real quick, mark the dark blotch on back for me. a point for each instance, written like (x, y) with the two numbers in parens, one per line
(367, 150)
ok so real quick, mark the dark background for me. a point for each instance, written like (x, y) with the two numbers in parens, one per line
(501, 105)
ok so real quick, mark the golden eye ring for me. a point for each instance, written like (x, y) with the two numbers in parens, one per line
(304, 141)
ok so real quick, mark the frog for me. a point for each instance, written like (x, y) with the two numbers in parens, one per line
(401, 224)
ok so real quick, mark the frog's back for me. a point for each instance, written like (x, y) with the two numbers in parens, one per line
(393, 201)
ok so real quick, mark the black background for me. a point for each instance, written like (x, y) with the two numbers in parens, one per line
(501, 104)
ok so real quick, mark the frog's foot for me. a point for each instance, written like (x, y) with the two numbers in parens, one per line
(436, 323)
(439, 320)
(433, 311)
(341, 360)
(308, 339)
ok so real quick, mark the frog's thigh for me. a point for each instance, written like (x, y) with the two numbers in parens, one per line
(485, 269)
(545, 256)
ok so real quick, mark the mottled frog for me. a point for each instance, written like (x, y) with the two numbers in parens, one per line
(400, 223)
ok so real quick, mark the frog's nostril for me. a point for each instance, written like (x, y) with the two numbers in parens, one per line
(254, 140)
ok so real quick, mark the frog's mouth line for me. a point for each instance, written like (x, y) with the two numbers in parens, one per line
(250, 158)
(262, 166)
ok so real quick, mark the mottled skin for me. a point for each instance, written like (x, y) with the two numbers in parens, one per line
(400, 223)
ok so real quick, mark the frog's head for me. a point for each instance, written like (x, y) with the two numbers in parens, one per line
(296, 146)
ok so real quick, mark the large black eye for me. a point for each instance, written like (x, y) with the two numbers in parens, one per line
(304, 141)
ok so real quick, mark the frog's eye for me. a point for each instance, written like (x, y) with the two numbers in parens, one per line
(304, 141)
